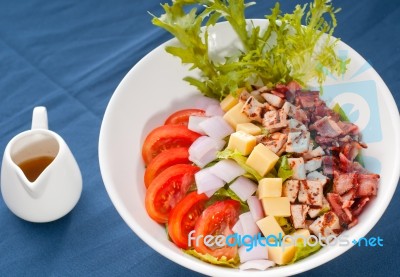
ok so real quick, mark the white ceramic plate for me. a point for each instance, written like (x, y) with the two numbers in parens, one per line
(154, 88)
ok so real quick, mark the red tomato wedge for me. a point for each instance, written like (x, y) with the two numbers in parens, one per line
(168, 189)
(182, 117)
(217, 219)
(183, 217)
(166, 137)
(164, 160)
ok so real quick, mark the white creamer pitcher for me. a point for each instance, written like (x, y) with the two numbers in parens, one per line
(58, 187)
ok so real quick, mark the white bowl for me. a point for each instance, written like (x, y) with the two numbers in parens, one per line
(154, 88)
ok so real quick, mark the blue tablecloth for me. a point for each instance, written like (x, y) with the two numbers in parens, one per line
(70, 56)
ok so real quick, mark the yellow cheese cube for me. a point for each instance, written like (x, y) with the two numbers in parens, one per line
(270, 187)
(235, 116)
(301, 235)
(242, 142)
(262, 159)
(281, 255)
(269, 226)
(276, 206)
(249, 128)
(228, 103)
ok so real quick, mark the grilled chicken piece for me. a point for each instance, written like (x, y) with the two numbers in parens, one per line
(326, 225)
(298, 142)
(311, 193)
(244, 95)
(298, 168)
(317, 152)
(314, 212)
(275, 120)
(290, 189)
(313, 164)
(313, 153)
(289, 109)
(254, 109)
(317, 176)
(274, 141)
(295, 125)
(298, 215)
(274, 100)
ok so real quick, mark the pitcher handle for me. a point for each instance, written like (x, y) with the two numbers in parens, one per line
(39, 118)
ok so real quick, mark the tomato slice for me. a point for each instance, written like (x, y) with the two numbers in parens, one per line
(164, 160)
(166, 137)
(168, 189)
(182, 117)
(183, 217)
(217, 219)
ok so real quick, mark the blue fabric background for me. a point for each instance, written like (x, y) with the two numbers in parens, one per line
(70, 56)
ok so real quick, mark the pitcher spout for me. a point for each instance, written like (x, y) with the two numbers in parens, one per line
(35, 188)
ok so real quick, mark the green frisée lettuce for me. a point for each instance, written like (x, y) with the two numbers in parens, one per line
(293, 47)
(223, 261)
(241, 160)
(303, 250)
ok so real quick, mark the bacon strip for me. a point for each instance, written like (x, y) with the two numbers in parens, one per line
(326, 127)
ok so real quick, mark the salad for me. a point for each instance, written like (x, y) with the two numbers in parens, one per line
(263, 173)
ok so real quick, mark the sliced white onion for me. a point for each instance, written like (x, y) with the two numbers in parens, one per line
(204, 102)
(194, 122)
(216, 127)
(257, 252)
(227, 170)
(203, 145)
(238, 228)
(249, 225)
(219, 144)
(205, 159)
(257, 264)
(214, 110)
(255, 207)
(243, 187)
(209, 193)
(207, 181)
(204, 150)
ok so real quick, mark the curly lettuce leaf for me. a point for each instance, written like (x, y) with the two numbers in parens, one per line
(283, 168)
(227, 193)
(223, 261)
(286, 226)
(342, 115)
(241, 160)
(324, 210)
(292, 47)
(303, 251)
